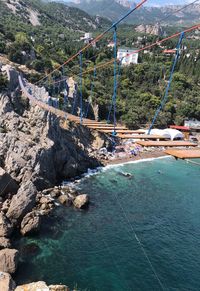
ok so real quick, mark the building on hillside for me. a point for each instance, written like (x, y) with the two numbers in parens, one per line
(87, 38)
(169, 52)
(193, 123)
(127, 56)
(111, 44)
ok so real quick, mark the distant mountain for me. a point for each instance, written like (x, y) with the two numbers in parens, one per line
(113, 9)
(37, 12)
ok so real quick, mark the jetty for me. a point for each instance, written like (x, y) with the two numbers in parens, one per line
(165, 143)
(184, 154)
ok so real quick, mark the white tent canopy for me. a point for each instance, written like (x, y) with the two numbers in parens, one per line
(167, 133)
(174, 133)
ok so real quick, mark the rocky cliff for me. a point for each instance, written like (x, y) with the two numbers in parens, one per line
(37, 152)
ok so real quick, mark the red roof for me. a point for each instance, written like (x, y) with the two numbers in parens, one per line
(169, 51)
(178, 127)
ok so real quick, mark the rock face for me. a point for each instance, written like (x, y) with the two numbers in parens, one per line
(42, 286)
(36, 146)
(8, 260)
(5, 226)
(30, 223)
(7, 184)
(33, 287)
(22, 202)
(6, 282)
(4, 243)
(150, 29)
(81, 201)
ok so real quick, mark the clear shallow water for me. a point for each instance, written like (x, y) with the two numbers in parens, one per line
(97, 249)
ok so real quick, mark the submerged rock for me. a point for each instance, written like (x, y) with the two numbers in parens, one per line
(81, 201)
(6, 282)
(5, 226)
(31, 249)
(9, 260)
(58, 288)
(22, 202)
(30, 223)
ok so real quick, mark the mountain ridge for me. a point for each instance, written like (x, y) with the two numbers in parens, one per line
(145, 15)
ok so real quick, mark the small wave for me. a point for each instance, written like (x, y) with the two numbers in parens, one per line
(93, 172)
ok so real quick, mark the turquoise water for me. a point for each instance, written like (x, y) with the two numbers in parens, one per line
(156, 212)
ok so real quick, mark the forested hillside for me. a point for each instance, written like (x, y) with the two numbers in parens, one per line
(45, 45)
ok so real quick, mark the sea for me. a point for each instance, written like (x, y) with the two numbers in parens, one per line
(140, 232)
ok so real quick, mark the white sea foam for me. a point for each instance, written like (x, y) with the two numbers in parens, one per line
(93, 172)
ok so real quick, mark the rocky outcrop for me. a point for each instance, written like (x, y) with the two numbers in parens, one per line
(4, 243)
(33, 286)
(150, 29)
(22, 202)
(81, 201)
(30, 223)
(5, 226)
(7, 183)
(65, 200)
(41, 286)
(6, 282)
(8, 260)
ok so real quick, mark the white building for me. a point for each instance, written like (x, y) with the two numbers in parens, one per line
(87, 38)
(194, 123)
(127, 56)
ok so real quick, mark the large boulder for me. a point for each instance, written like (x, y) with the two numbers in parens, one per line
(65, 200)
(30, 223)
(33, 287)
(22, 202)
(81, 201)
(6, 282)
(7, 183)
(8, 260)
(5, 226)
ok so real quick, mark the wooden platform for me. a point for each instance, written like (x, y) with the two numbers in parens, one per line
(141, 136)
(184, 154)
(123, 131)
(166, 144)
(97, 127)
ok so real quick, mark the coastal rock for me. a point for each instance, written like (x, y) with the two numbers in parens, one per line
(7, 183)
(64, 200)
(8, 260)
(6, 282)
(33, 287)
(5, 226)
(22, 202)
(58, 288)
(4, 243)
(6, 205)
(81, 201)
(30, 223)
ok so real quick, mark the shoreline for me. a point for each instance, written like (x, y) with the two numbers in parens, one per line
(141, 156)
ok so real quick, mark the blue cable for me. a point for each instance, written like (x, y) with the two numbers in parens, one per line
(169, 83)
(91, 92)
